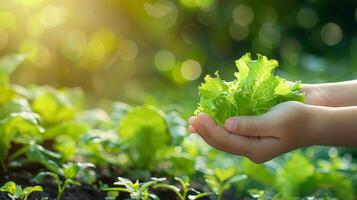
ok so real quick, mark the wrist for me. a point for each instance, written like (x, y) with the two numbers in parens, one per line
(319, 122)
(316, 95)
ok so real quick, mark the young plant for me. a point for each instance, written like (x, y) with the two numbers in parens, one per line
(16, 192)
(257, 194)
(254, 91)
(136, 190)
(69, 172)
(222, 179)
(182, 193)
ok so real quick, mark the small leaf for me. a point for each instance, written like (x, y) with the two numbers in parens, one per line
(38, 178)
(198, 196)
(28, 190)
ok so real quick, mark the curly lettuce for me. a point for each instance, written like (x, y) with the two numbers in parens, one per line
(254, 91)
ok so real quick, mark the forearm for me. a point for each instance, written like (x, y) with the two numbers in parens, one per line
(335, 126)
(334, 94)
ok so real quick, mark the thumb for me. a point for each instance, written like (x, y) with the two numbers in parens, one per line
(249, 126)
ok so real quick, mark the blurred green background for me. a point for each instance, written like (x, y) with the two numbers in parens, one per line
(159, 50)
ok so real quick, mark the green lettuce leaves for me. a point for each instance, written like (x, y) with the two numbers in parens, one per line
(254, 91)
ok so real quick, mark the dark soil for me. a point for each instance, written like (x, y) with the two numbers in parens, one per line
(84, 192)
(23, 176)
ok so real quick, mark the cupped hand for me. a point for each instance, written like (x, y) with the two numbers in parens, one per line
(285, 127)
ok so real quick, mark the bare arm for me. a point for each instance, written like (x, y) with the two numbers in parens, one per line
(338, 94)
(338, 127)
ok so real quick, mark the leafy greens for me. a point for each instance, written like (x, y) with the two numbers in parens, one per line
(254, 91)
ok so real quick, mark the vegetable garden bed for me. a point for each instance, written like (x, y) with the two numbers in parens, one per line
(49, 140)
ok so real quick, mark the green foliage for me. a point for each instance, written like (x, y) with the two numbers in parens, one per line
(69, 171)
(145, 133)
(254, 91)
(16, 192)
(182, 194)
(50, 128)
(56, 105)
(137, 190)
(222, 179)
(258, 172)
(18, 127)
(8, 64)
(293, 173)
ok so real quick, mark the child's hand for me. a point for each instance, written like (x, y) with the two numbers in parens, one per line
(315, 95)
(260, 138)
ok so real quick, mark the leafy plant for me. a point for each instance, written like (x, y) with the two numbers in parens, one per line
(16, 192)
(8, 64)
(182, 193)
(18, 127)
(222, 179)
(141, 129)
(137, 190)
(69, 172)
(254, 91)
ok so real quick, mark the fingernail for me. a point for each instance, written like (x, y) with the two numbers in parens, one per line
(201, 115)
(231, 125)
(192, 120)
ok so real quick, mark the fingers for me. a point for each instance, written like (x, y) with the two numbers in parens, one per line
(257, 126)
(190, 127)
(219, 138)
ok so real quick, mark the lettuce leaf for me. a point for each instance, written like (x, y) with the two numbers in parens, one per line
(254, 91)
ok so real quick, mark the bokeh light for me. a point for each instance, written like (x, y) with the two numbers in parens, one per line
(77, 40)
(110, 42)
(158, 9)
(164, 60)
(163, 11)
(331, 34)
(238, 32)
(290, 50)
(243, 15)
(191, 70)
(203, 4)
(269, 35)
(267, 14)
(4, 38)
(128, 50)
(30, 48)
(7, 20)
(43, 58)
(51, 16)
(307, 18)
(28, 3)
(33, 27)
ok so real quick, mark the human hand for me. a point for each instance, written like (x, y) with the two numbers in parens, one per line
(315, 95)
(285, 127)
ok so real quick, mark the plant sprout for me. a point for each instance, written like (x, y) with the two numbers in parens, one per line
(222, 179)
(136, 190)
(69, 172)
(182, 195)
(16, 192)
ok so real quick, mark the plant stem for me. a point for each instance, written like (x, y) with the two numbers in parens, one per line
(219, 195)
(18, 153)
(2, 164)
(60, 191)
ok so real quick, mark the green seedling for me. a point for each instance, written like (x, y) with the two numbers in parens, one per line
(222, 179)
(137, 190)
(69, 172)
(16, 192)
(182, 193)
(257, 194)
